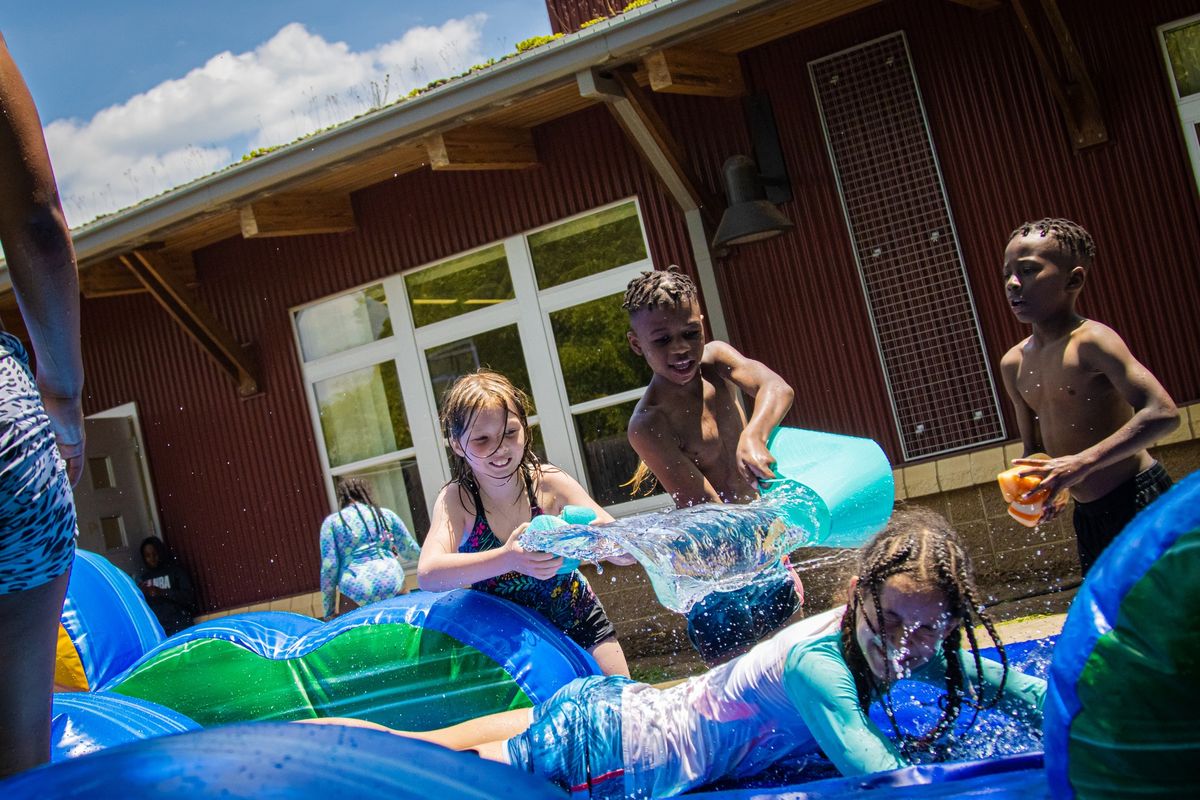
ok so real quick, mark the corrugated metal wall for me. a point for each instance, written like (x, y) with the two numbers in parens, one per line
(238, 482)
(795, 301)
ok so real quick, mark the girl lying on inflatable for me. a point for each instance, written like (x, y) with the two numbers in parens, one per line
(806, 689)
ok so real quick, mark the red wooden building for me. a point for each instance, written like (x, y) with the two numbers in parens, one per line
(295, 318)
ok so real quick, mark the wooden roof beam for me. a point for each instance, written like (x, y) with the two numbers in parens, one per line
(297, 215)
(649, 134)
(1074, 93)
(111, 278)
(196, 319)
(476, 147)
(686, 70)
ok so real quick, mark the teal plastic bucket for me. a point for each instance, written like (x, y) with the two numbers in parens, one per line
(851, 476)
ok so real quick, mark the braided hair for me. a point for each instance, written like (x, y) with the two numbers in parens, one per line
(1070, 235)
(920, 544)
(352, 490)
(661, 288)
(462, 402)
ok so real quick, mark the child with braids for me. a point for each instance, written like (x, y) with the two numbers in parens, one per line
(690, 431)
(1079, 394)
(362, 545)
(498, 486)
(913, 605)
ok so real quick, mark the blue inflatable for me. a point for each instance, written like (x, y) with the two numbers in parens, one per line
(105, 624)
(278, 760)
(1123, 707)
(84, 722)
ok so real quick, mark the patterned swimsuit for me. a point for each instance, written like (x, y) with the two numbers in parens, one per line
(357, 558)
(566, 600)
(37, 512)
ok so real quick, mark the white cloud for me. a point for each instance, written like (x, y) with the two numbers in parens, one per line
(293, 84)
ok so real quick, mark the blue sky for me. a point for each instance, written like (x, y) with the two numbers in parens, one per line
(138, 96)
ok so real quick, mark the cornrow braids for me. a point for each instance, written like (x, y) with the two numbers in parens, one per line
(661, 288)
(919, 543)
(462, 403)
(1068, 234)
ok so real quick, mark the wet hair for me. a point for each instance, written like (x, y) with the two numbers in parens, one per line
(461, 404)
(1069, 236)
(661, 288)
(920, 544)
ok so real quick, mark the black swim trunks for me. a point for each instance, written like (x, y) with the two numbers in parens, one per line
(1099, 522)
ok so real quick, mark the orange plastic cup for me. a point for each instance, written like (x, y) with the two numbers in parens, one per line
(1013, 486)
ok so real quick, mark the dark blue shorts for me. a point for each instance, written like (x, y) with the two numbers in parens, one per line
(725, 623)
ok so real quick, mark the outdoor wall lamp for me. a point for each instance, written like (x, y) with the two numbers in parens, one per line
(750, 216)
(754, 187)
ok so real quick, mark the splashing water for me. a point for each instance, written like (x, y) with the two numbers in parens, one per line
(691, 552)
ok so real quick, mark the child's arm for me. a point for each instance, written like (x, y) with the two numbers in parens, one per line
(405, 543)
(562, 490)
(821, 689)
(652, 438)
(1023, 695)
(1010, 367)
(1155, 415)
(442, 568)
(772, 399)
(331, 567)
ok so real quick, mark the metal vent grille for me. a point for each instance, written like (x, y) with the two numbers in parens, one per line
(928, 336)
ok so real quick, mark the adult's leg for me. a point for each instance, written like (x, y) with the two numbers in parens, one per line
(610, 657)
(28, 641)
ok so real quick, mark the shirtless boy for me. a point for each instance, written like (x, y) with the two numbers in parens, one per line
(1079, 394)
(691, 432)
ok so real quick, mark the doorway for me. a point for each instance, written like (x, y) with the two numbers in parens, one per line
(114, 499)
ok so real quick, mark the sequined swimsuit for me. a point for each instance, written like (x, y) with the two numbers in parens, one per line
(566, 600)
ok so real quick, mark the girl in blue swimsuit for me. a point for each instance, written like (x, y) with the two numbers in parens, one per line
(362, 545)
(912, 608)
(498, 487)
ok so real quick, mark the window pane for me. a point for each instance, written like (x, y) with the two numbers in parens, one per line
(607, 456)
(362, 414)
(1183, 49)
(344, 322)
(458, 286)
(398, 486)
(593, 351)
(588, 245)
(498, 350)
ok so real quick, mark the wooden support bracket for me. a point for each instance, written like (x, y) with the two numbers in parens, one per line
(688, 70)
(476, 147)
(195, 318)
(1074, 93)
(297, 215)
(111, 278)
(649, 134)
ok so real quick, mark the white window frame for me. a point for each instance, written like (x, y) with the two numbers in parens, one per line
(1188, 108)
(407, 344)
